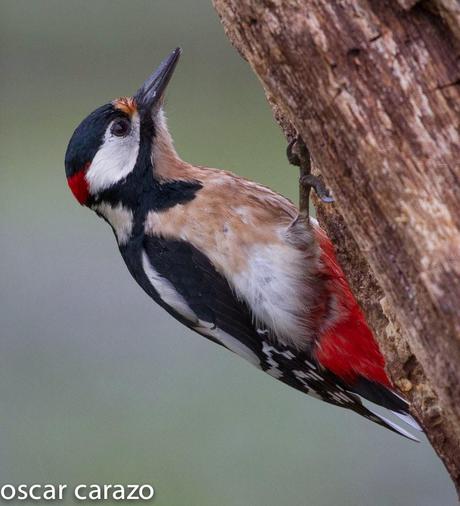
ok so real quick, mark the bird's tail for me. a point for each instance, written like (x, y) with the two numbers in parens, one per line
(389, 399)
(388, 424)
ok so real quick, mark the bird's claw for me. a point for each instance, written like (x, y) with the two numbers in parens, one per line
(319, 187)
(297, 154)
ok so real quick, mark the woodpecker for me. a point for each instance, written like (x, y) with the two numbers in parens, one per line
(229, 258)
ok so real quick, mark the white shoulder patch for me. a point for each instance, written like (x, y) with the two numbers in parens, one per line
(232, 344)
(172, 298)
(167, 292)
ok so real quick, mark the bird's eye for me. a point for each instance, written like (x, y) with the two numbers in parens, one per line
(121, 127)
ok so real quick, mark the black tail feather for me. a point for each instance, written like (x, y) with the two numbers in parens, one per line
(379, 394)
(383, 396)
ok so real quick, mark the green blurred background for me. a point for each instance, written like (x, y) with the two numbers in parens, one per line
(97, 384)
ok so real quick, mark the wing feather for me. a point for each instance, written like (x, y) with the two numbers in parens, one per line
(218, 314)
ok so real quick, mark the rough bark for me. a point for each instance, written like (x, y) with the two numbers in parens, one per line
(373, 88)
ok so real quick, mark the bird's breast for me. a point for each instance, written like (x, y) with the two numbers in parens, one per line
(250, 247)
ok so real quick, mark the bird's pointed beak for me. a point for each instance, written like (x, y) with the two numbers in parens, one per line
(151, 92)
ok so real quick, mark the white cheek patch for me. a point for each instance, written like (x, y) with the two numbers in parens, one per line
(115, 159)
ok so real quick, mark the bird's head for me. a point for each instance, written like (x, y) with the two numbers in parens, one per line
(116, 140)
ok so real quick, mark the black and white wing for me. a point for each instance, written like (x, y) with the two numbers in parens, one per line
(189, 284)
(184, 281)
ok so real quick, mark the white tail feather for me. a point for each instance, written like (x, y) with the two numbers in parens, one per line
(409, 420)
(395, 427)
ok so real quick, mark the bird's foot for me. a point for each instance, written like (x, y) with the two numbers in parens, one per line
(317, 184)
(297, 154)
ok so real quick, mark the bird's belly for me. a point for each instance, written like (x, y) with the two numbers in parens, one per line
(263, 268)
(273, 284)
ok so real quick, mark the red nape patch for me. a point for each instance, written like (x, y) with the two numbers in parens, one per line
(79, 185)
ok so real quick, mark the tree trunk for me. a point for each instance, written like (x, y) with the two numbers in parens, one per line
(373, 88)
